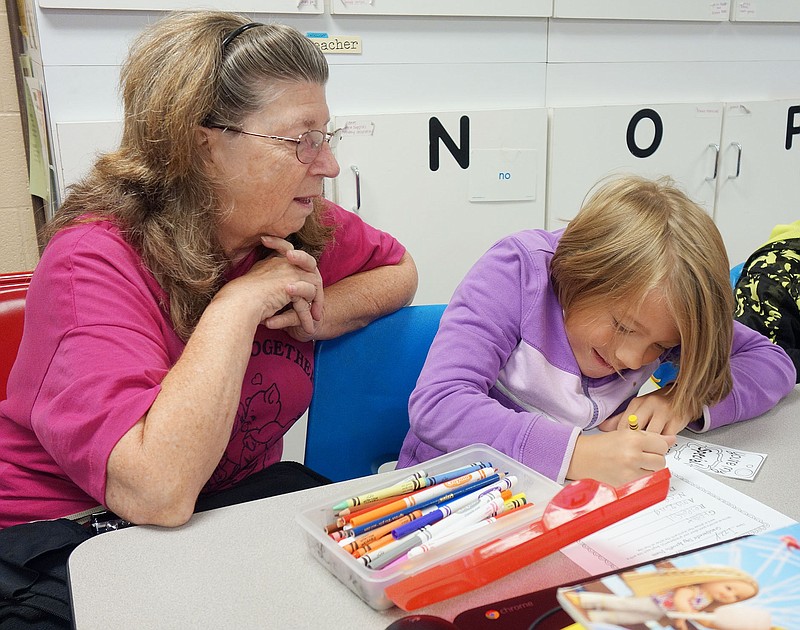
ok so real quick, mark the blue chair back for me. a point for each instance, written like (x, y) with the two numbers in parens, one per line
(736, 271)
(358, 416)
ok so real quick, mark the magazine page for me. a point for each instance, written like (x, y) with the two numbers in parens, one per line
(752, 583)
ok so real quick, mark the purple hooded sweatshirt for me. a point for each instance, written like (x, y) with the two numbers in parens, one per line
(501, 371)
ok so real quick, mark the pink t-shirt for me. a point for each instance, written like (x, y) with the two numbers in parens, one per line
(96, 346)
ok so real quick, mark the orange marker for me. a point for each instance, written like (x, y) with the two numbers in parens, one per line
(345, 515)
(375, 534)
(383, 540)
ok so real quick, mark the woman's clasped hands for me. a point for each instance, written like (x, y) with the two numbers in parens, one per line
(286, 287)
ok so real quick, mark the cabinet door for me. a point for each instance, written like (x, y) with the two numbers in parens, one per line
(710, 10)
(447, 185)
(766, 11)
(759, 173)
(78, 144)
(590, 143)
(508, 8)
(260, 6)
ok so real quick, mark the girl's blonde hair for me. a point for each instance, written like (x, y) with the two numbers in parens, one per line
(636, 235)
(647, 583)
(178, 77)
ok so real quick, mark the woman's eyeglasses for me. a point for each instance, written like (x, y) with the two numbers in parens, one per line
(309, 144)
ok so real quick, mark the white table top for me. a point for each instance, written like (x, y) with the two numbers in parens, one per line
(248, 566)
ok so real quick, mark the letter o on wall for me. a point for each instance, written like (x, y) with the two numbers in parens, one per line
(630, 137)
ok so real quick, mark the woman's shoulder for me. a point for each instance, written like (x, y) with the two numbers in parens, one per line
(87, 234)
(90, 248)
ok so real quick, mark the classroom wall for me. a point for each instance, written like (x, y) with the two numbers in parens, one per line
(18, 246)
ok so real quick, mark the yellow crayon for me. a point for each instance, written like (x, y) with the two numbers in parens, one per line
(403, 487)
(633, 422)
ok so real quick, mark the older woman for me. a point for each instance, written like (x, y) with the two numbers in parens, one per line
(170, 323)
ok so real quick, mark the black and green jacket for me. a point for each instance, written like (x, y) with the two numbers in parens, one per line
(768, 291)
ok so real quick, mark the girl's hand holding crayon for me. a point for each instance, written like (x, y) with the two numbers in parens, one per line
(654, 412)
(617, 457)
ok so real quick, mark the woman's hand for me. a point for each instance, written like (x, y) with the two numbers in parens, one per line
(285, 287)
(617, 457)
(305, 317)
(654, 412)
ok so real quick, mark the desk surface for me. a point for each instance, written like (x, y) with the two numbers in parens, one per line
(247, 566)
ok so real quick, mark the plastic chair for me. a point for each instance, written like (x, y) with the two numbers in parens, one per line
(736, 271)
(13, 290)
(358, 417)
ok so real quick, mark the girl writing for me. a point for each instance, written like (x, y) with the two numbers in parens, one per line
(554, 333)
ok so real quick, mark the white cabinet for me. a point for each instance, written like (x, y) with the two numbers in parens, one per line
(507, 8)
(260, 6)
(758, 183)
(740, 161)
(78, 144)
(705, 10)
(446, 184)
(591, 143)
(765, 11)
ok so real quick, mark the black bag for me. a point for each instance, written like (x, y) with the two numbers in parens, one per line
(33, 574)
(280, 478)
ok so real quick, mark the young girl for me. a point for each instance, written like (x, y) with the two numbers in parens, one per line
(674, 593)
(553, 333)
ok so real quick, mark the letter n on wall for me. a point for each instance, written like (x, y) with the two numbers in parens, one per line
(437, 132)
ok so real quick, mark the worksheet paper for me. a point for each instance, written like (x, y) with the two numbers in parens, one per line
(720, 460)
(698, 511)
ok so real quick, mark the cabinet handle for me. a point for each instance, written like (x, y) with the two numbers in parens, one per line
(716, 161)
(738, 160)
(357, 207)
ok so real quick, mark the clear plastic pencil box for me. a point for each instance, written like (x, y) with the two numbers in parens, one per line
(560, 516)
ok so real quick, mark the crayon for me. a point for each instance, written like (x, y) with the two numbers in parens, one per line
(518, 500)
(505, 512)
(420, 498)
(388, 553)
(375, 544)
(345, 516)
(458, 472)
(409, 484)
(633, 422)
(330, 528)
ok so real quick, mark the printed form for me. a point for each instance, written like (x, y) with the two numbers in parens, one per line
(698, 511)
